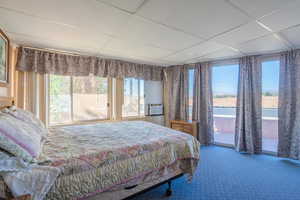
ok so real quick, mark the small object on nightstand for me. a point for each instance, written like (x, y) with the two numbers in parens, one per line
(184, 126)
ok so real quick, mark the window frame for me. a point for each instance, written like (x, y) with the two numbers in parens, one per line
(139, 116)
(72, 121)
(191, 95)
(268, 58)
(224, 64)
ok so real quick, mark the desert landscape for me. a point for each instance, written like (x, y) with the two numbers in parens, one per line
(267, 101)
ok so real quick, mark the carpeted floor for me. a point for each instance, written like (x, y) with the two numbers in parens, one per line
(224, 174)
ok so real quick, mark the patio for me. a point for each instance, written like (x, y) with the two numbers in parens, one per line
(269, 145)
(224, 126)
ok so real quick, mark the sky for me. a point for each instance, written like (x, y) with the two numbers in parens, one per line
(191, 82)
(225, 78)
(270, 76)
(131, 86)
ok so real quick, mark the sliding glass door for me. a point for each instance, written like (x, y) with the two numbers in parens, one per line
(225, 85)
(224, 82)
(270, 85)
(191, 92)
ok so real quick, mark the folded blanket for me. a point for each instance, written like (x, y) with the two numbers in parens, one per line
(25, 178)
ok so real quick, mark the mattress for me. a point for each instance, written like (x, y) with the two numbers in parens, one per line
(107, 157)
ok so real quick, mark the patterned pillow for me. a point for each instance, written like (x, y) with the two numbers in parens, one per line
(19, 138)
(28, 117)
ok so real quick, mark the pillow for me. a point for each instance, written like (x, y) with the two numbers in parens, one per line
(9, 163)
(19, 138)
(27, 117)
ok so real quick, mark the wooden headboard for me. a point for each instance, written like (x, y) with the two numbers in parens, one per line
(6, 102)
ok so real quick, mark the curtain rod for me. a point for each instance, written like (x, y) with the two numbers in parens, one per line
(55, 51)
(190, 64)
(78, 54)
(270, 55)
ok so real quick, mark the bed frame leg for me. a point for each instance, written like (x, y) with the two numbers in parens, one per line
(169, 190)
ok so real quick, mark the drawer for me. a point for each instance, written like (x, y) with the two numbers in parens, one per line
(177, 127)
(187, 129)
(184, 128)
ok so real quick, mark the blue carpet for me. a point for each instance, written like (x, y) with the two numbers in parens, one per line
(224, 174)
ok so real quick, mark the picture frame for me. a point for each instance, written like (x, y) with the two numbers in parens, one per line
(4, 58)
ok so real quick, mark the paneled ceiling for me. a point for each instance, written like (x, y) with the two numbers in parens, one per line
(161, 32)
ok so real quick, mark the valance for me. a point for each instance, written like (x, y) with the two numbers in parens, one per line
(44, 62)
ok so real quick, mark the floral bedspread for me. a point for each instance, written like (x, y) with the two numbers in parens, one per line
(96, 157)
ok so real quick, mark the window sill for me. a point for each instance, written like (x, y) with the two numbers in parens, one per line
(96, 121)
(132, 118)
(81, 123)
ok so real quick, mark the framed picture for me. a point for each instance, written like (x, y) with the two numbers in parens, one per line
(4, 57)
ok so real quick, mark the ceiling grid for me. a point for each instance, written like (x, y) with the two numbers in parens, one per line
(153, 31)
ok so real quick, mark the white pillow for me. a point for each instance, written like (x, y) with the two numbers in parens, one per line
(29, 118)
(19, 138)
(10, 164)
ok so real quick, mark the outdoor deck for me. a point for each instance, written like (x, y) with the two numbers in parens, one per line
(225, 127)
(269, 145)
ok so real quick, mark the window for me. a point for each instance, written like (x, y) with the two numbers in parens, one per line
(191, 92)
(90, 98)
(59, 99)
(270, 85)
(134, 100)
(224, 82)
(74, 99)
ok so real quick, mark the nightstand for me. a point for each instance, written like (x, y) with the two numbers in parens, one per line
(23, 197)
(184, 126)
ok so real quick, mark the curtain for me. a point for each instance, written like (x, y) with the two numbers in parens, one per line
(30, 95)
(43, 62)
(248, 130)
(166, 99)
(177, 83)
(289, 105)
(203, 103)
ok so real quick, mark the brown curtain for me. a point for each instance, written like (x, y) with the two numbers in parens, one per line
(177, 84)
(203, 103)
(43, 62)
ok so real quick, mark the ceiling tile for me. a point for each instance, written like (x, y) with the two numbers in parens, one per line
(195, 52)
(31, 26)
(221, 54)
(267, 44)
(259, 8)
(41, 42)
(128, 5)
(290, 16)
(134, 49)
(204, 18)
(292, 35)
(107, 53)
(84, 50)
(88, 15)
(192, 61)
(242, 34)
(139, 29)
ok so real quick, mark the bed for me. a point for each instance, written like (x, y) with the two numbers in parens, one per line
(115, 160)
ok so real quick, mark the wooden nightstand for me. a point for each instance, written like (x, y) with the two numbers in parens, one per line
(24, 197)
(184, 126)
